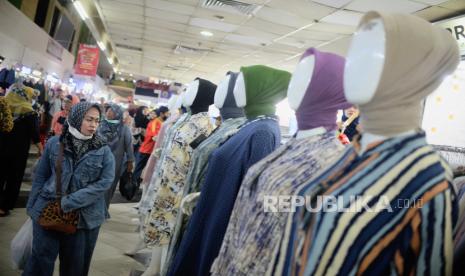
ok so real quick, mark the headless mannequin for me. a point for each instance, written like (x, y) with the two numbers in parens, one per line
(159, 253)
(301, 79)
(367, 51)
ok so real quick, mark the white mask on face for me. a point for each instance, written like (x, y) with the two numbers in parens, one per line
(77, 134)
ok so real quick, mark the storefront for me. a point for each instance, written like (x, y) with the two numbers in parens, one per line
(444, 113)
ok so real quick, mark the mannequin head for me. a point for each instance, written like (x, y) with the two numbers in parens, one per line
(199, 95)
(398, 68)
(316, 90)
(224, 98)
(373, 37)
(300, 81)
(259, 88)
(240, 91)
(172, 102)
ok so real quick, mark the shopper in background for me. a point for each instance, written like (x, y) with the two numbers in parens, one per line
(88, 170)
(54, 105)
(151, 135)
(6, 120)
(127, 119)
(350, 122)
(140, 124)
(14, 145)
(119, 138)
(60, 117)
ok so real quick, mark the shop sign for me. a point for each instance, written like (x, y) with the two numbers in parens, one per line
(87, 60)
(54, 49)
(456, 27)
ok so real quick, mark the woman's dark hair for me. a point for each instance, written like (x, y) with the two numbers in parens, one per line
(140, 119)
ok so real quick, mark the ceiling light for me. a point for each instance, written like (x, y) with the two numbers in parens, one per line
(110, 61)
(101, 45)
(80, 9)
(122, 79)
(206, 33)
(131, 75)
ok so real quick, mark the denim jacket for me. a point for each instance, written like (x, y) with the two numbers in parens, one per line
(83, 184)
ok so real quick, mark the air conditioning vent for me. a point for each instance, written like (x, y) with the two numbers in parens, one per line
(231, 6)
(129, 47)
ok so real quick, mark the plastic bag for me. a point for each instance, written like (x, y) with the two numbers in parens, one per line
(21, 245)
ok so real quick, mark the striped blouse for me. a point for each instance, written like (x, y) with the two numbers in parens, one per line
(395, 216)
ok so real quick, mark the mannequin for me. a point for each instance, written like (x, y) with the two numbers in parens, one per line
(316, 94)
(169, 184)
(257, 89)
(233, 117)
(391, 163)
(146, 203)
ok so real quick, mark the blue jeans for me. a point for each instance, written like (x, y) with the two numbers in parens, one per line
(75, 252)
(141, 161)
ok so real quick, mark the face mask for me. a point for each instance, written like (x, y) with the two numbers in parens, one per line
(112, 121)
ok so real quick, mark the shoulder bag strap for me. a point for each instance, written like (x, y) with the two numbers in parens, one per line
(58, 169)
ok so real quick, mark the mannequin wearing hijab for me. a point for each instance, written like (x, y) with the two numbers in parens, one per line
(257, 89)
(170, 185)
(395, 166)
(316, 94)
(233, 117)
(148, 194)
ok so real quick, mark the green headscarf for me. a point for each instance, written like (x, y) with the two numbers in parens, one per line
(265, 87)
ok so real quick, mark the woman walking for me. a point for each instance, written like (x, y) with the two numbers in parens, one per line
(119, 138)
(14, 145)
(87, 171)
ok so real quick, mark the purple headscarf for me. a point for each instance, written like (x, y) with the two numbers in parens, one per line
(325, 94)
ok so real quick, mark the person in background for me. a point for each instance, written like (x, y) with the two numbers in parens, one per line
(119, 138)
(140, 124)
(60, 117)
(89, 170)
(127, 119)
(54, 105)
(350, 127)
(151, 135)
(14, 145)
(6, 120)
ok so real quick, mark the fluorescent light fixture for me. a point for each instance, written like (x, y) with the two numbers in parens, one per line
(26, 70)
(80, 9)
(122, 79)
(131, 75)
(101, 45)
(36, 73)
(206, 33)
(110, 61)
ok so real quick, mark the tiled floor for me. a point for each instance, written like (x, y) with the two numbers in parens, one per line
(116, 236)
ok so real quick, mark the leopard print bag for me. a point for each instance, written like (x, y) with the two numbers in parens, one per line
(52, 217)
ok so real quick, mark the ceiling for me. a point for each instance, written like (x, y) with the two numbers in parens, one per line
(162, 39)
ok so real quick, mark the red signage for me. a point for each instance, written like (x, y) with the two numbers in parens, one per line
(87, 60)
(152, 85)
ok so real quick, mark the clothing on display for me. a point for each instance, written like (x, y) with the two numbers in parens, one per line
(146, 203)
(169, 190)
(251, 242)
(151, 164)
(264, 88)
(373, 232)
(233, 117)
